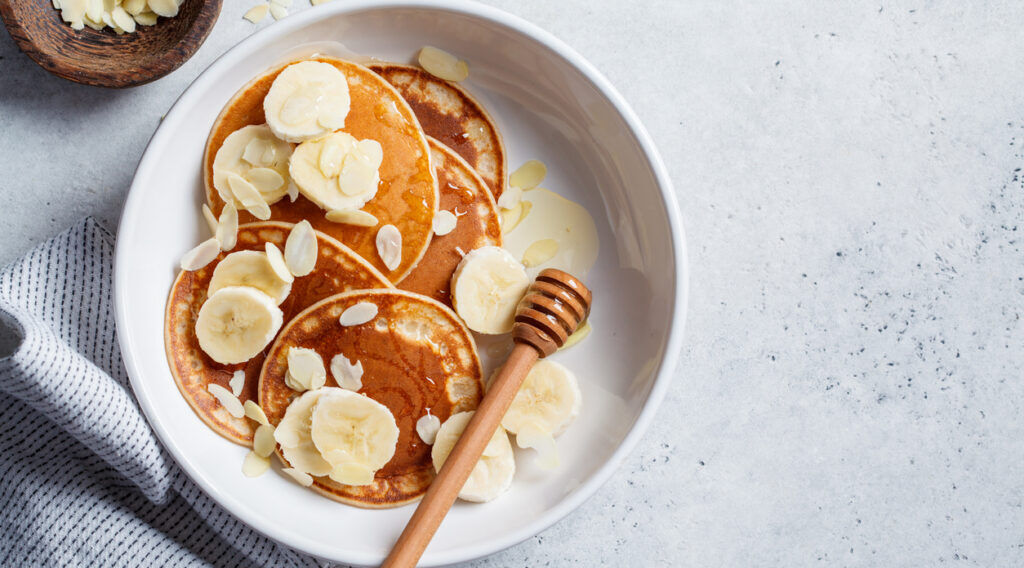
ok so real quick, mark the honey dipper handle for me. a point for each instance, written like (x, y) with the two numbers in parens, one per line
(445, 489)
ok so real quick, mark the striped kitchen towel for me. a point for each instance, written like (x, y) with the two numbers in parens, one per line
(83, 479)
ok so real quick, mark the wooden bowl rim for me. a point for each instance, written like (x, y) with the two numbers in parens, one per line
(139, 75)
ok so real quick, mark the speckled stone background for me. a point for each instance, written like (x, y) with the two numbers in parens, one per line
(851, 387)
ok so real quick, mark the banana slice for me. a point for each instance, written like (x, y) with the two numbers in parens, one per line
(354, 433)
(337, 172)
(486, 287)
(236, 323)
(255, 155)
(249, 268)
(492, 475)
(307, 100)
(545, 405)
(293, 435)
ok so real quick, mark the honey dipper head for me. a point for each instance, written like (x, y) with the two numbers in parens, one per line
(553, 307)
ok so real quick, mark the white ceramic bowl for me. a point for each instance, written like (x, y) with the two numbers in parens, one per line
(550, 104)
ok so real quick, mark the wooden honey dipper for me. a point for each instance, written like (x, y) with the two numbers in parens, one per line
(553, 307)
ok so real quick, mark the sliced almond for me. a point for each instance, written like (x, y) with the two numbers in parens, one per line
(389, 246)
(510, 198)
(227, 227)
(263, 442)
(256, 14)
(123, 19)
(285, 3)
(145, 19)
(211, 220)
(277, 262)
(444, 222)
(300, 477)
(443, 65)
(229, 401)
(510, 218)
(332, 155)
(266, 180)
(540, 252)
(255, 465)
(306, 368)
(358, 218)
(134, 7)
(165, 8)
(237, 383)
(201, 255)
(255, 413)
(427, 427)
(259, 152)
(250, 197)
(347, 374)
(358, 314)
(278, 11)
(300, 250)
(529, 175)
(318, 2)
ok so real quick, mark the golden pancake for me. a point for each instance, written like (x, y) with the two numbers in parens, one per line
(338, 269)
(450, 114)
(465, 194)
(416, 355)
(407, 194)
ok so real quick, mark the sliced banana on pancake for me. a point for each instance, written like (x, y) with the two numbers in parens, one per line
(306, 101)
(337, 172)
(487, 287)
(547, 402)
(236, 323)
(492, 475)
(255, 156)
(249, 268)
(354, 433)
(293, 434)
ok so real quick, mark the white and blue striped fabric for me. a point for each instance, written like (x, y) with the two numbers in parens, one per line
(83, 479)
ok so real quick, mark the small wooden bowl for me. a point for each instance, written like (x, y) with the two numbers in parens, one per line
(103, 58)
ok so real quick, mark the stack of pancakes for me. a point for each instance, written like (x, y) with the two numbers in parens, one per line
(443, 153)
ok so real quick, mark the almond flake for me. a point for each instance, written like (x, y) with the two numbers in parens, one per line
(510, 218)
(278, 11)
(229, 401)
(443, 65)
(250, 197)
(389, 246)
(306, 368)
(300, 477)
(300, 249)
(254, 15)
(540, 252)
(263, 442)
(227, 227)
(529, 175)
(211, 220)
(427, 427)
(444, 223)
(123, 19)
(510, 198)
(134, 7)
(277, 262)
(146, 19)
(201, 255)
(348, 375)
(237, 383)
(165, 8)
(357, 218)
(265, 180)
(358, 314)
(259, 151)
(332, 155)
(255, 465)
(285, 3)
(293, 191)
(255, 413)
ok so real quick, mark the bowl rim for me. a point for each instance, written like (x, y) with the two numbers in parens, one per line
(672, 346)
(138, 75)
